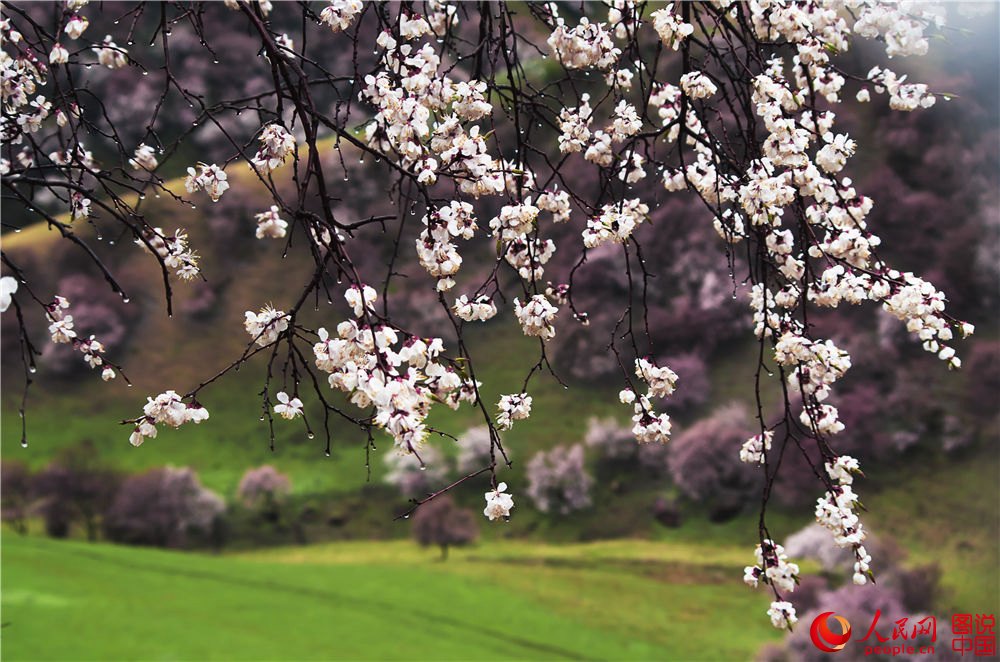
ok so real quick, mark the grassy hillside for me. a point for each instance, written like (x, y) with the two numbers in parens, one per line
(381, 601)
(178, 352)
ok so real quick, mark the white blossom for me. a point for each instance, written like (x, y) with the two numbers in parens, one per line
(287, 408)
(270, 224)
(498, 503)
(8, 286)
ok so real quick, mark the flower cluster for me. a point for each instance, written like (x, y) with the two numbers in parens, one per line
(173, 250)
(208, 177)
(536, 316)
(62, 331)
(772, 568)
(361, 299)
(574, 126)
(513, 407)
(421, 112)
(110, 54)
(270, 224)
(144, 158)
(339, 14)
(276, 143)
(697, 85)
(648, 426)
(755, 449)
(436, 251)
(584, 46)
(479, 310)
(498, 503)
(835, 511)
(616, 222)
(782, 615)
(672, 30)
(266, 326)
(169, 409)
(400, 383)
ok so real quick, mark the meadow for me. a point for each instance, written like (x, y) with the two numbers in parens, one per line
(507, 600)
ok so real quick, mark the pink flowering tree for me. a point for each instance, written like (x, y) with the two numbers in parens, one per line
(263, 488)
(513, 146)
(558, 481)
(444, 524)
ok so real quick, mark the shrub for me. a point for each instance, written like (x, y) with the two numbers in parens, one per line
(440, 522)
(667, 512)
(15, 495)
(166, 507)
(694, 387)
(558, 481)
(615, 444)
(611, 440)
(705, 464)
(75, 488)
(983, 382)
(263, 487)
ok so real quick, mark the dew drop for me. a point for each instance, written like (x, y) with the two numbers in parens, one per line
(262, 418)
(125, 299)
(32, 370)
(17, 231)
(327, 453)
(310, 435)
(24, 443)
(145, 73)
(423, 467)
(406, 517)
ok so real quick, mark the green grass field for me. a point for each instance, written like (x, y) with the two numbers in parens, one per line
(621, 600)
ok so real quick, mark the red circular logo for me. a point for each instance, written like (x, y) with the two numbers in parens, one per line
(824, 638)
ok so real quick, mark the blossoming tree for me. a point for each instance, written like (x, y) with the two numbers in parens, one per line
(481, 116)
